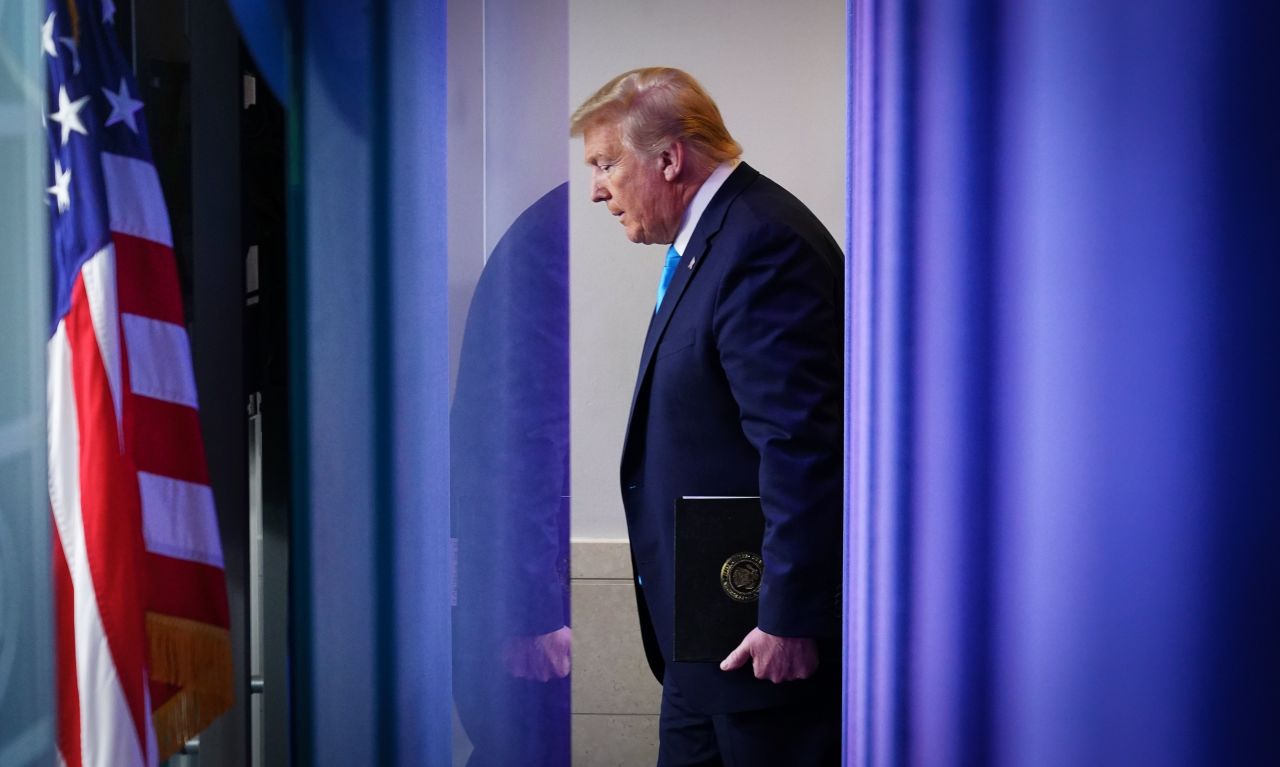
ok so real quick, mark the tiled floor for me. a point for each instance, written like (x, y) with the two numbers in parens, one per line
(615, 697)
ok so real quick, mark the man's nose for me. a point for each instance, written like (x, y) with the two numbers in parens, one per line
(599, 192)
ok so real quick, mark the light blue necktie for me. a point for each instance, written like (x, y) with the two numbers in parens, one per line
(668, 271)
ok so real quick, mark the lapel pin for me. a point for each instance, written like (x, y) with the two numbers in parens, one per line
(692, 261)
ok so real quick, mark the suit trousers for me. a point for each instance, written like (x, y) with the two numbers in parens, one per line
(803, 734)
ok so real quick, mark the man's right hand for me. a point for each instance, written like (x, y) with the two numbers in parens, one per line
(775, 658)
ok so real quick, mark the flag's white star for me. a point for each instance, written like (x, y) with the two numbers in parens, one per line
(61, 189)
(46, 36)
(70, 42)
(68, 114)
(123, 106)
(108, 12)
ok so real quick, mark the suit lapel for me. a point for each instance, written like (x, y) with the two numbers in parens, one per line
(699, 250)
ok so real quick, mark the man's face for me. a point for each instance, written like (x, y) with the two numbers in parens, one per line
(632, 186)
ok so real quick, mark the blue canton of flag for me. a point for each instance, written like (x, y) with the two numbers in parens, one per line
(93, 109)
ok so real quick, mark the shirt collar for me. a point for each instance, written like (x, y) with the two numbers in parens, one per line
(700, 202)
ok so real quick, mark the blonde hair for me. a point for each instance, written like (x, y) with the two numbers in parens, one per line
(654, 106)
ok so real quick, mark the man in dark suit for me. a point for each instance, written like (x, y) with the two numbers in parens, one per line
(739, 393)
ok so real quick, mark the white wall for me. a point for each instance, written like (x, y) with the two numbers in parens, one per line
(777, 71)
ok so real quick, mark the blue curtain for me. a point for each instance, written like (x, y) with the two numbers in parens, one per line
(265, 29)
(370, 553)
(1064, 511)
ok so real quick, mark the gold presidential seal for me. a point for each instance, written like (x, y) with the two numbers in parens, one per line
(740, 576)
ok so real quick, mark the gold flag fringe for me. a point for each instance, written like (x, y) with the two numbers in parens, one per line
(196, 658)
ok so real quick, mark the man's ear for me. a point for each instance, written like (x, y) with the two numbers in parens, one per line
(671, 160)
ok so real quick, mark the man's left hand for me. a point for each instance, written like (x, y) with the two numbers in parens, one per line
(775, 658)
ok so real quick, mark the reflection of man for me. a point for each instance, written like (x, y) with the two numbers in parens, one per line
(509, 470)
(739, 394)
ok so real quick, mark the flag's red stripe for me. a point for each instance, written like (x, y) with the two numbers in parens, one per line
(111, 510)
(65, 647)
(165, 439)
(186, 589)
(148, 279)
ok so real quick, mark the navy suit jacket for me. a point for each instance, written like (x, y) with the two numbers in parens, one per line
(740, 393)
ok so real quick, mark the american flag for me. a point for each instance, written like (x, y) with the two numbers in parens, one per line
(143, 646)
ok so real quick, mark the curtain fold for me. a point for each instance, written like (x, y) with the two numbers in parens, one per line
(1062, 427)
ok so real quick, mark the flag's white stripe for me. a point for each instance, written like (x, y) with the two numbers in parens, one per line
(99, 275)
(179, 520)
(159, 360)
(107, 734)
(135, 198)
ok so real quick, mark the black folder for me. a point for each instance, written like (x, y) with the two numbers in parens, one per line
(718, 570)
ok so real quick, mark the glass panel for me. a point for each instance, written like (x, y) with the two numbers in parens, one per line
(509, 248)
(26, 632)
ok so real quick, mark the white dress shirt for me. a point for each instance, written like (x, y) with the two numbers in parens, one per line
(700, 202)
